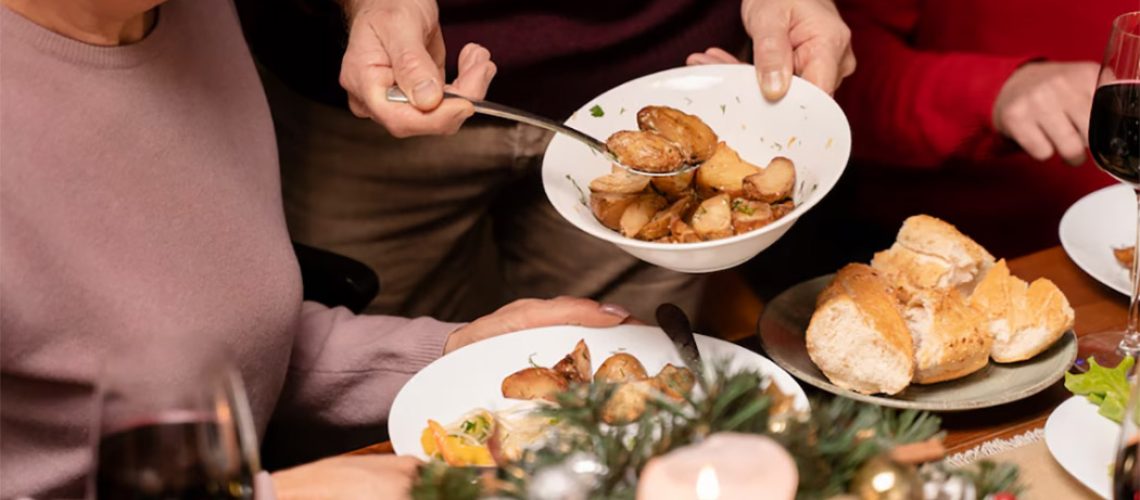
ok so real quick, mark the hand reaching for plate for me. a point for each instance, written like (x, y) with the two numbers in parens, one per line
(534, 313)
(348, 477)
(804, 37)
(399, 42)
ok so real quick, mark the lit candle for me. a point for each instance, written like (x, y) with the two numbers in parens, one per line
(726, 466)
(707, 486)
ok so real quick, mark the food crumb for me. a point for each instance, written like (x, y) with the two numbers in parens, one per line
(829, 141)
(791, 140)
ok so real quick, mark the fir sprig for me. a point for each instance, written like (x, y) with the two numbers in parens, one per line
(829, 444)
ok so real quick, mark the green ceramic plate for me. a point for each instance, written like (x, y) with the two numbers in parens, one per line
(786, 318)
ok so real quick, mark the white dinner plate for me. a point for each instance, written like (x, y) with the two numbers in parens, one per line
(1083, 443)
(1096, 224)
(471, 377)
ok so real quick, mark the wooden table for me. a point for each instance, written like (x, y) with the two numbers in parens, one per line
(1098, 308)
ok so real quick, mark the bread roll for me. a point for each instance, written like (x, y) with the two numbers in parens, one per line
(948, 340)
(1023, 319)
(857, 336)
(930, 254)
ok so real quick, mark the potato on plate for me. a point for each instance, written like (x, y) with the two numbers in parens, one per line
(534, 383)
(674, 382)
(621, 367)
(576, 366)
(609, 207)
(620, 182)
(675, 186)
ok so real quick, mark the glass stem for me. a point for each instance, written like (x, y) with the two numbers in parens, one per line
(1130, 344)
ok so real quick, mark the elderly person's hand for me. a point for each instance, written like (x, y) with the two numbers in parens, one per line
(398, 42)
(534, 313)
(366, 477)
(803, 37)
(1045, 107)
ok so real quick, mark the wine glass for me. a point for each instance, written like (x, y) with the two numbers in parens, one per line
(173, 423)
(1114, 140)
(1125, 473)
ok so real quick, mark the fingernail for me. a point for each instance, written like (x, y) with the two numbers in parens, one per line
(773, 82)
(424, 91)
(614, 310)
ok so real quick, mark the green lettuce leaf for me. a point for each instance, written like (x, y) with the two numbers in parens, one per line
(1104, 387)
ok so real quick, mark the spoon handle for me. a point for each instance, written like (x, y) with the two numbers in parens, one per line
(501, 111)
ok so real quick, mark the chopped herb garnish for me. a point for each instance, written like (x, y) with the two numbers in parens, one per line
(581, 194)
(722, 108)
(621, 111)
(530, 359)
(802, 106)
(738, 205)
(777, 146)
(738, 99)
(597, 111)
(468, 426)
(688, 101)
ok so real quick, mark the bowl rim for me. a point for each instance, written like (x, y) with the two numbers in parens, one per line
(788, 219)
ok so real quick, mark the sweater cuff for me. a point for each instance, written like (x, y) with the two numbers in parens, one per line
(263, 487)
(430, 342)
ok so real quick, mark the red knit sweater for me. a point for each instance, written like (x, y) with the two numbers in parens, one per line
(921, 108)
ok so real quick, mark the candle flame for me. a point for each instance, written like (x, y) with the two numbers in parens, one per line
(708, 488)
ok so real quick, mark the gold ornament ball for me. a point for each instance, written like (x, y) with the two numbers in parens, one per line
(884, 479)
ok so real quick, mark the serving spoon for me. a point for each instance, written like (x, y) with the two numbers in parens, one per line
(507, 112)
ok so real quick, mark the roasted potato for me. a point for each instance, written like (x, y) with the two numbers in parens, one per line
(691, 135)
(683, 233)
(674, 382)
(782, 209)
(609, 207)
(713, 218)
(621, 182)
(773, 183)
(534, 383)
(646, 151)
(748, 215)
(660, 225)
(675, 186)
(639, 213)
(627, 403)
(723, 172)
(620, 367)
(576, 366)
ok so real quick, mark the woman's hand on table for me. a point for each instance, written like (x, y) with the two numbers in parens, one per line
(399, 42)
(534, 313)
(364, 477)
(803, 37)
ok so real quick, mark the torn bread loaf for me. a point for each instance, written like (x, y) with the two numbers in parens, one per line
(857, 336)
(1023, 319)
(948, 338)
(931, 254)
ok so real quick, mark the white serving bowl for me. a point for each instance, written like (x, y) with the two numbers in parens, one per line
(806, 126)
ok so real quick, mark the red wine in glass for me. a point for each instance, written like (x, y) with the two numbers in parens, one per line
(173, 458)
(1114, 139)
(1114, 130)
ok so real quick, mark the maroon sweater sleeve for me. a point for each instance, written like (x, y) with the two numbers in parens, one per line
(915, 108)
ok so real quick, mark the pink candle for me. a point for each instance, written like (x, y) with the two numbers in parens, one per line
(726, 466)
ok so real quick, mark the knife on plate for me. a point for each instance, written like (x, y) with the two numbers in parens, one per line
(676, 325)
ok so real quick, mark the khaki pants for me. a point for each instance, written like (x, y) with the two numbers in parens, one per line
(454, 226)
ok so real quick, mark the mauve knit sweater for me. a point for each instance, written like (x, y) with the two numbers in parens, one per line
(140, 199)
